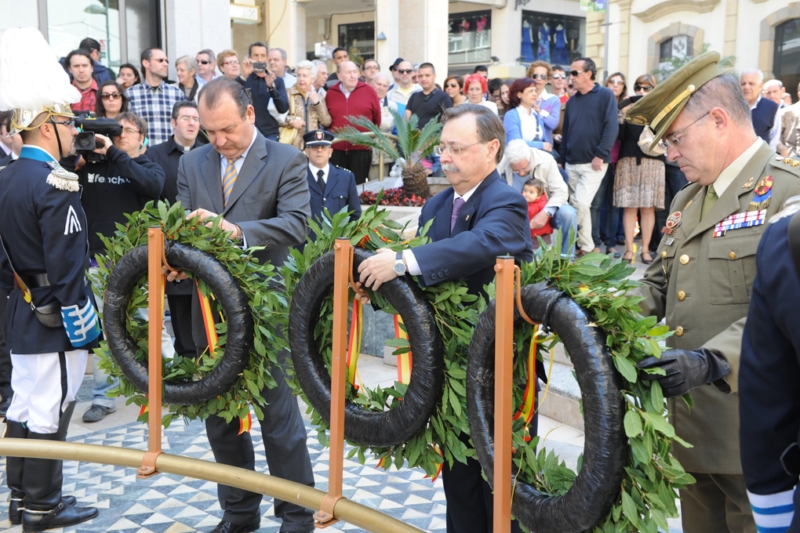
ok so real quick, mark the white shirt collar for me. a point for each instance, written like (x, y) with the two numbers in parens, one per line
(467, 195)
(756, 104)
(314, 171)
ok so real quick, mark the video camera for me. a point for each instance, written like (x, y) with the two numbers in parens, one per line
(85, 141)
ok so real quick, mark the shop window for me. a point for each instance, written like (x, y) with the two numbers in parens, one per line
(70, 22)
(359, 41)
(786, 63)
(675, 48)
(557, 39)
(470, 37)
(18, 14)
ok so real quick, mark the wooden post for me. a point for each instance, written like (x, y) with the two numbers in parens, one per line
(155, 289)
(325, 516)
(503, 392)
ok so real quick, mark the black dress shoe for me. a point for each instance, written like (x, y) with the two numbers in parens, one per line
(15, 507)
(61, 516)
(230, 527)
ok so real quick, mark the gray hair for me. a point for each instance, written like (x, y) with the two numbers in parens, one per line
(773, 83)
(489, 125)
(308, 65)
(723, 92)
(384, 76)
(209, 53)
(319, 62)
(517, 151)
(281, 50)
(212, 91)
(189, 61)
(753, 71)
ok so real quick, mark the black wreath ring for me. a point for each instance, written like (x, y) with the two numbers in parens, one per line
(388, 428)
(128, 273)
(597, 485)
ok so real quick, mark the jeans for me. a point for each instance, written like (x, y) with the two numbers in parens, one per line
(583, 184)
(674, 182)
(566, 221)
(604, 215)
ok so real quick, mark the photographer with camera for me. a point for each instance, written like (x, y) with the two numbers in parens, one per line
(265, 87)
(116, 179)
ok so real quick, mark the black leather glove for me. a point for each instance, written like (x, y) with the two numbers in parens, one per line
(686, 370)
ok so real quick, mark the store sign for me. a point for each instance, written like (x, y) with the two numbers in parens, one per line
(245, 14)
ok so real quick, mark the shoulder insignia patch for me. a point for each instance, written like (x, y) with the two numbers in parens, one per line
(638, 120)
(73, 224)
(63, 179)
(788, 164)
(790, 207)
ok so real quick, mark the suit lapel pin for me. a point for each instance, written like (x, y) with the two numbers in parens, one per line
(749, 183)
(467, 218)
(673, 222)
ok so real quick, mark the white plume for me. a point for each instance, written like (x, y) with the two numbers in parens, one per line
(30, 75)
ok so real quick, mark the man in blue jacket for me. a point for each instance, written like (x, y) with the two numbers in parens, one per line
(479, 218)
(331, 187)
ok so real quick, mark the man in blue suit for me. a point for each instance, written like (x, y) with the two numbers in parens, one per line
(479, 218)
(331, 187)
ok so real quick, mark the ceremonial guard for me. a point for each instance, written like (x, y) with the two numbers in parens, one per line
(702, 277)
(51, 321)
(769, 395)
(331, 187)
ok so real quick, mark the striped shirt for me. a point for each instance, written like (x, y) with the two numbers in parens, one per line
(154, 106)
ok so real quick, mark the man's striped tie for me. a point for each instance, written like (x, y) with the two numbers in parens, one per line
(229, 179)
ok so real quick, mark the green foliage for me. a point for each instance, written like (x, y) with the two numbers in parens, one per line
(674, 63)
(268, 307)
(414, 144)
(596, 282)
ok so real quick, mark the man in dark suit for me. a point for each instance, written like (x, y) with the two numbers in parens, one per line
(331, 187)
(479, 218)
(185, 126)
(260, 189)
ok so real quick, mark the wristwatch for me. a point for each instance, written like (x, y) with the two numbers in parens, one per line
(399, 266)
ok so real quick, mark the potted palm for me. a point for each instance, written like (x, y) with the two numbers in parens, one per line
(412, 146)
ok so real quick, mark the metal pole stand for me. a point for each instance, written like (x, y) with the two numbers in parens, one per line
(503, 397)
(325, 517)
(155, 288)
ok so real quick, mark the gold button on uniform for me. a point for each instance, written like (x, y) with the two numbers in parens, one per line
(679, 331)
(684, 259)
(681, 295)
(732, 255)
(664, 253)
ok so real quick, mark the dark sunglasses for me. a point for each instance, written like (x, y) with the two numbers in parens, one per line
(538, 76)
(574, 73)
(453, 85)
(402, 71)
(110, 96)
(645, 88)
(204, 62)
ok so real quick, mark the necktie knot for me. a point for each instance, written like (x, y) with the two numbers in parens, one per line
(457, 205)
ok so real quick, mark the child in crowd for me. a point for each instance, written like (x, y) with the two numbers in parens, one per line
(534, 193)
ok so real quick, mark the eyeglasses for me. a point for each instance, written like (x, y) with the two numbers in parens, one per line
(452, 149)
(187, 118)
(131, 131)
(616, 82)
(231, 62)
(539, 77)
(452, 85)
(70, 123)
(559, 76)
(645, 88)
(574, 73)
(403, 71)
(110, 96)
(203, 62)
(371, 67)
(673, 140)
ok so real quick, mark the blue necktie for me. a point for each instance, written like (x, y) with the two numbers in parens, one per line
(457, 205)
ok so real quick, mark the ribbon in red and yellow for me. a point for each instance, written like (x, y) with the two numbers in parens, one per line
(528, 407)
(245, 424)
(143, 410)
(404, 360)
(438, 470)
(354, 344)
(208, 323)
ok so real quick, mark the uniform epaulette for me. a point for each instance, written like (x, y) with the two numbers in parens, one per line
(62, 179)
(787, 163)
(790, 207)
(345, 169)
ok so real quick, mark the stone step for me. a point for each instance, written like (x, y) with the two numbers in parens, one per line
(563, 395)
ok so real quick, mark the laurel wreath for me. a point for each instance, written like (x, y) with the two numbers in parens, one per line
(596, 282)
(268, 306)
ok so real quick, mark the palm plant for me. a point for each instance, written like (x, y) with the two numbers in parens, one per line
(412, 145)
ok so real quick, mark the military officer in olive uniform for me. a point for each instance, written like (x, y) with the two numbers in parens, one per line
(702, 276)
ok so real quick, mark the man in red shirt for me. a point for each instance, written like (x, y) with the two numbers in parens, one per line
(348, 98)
(81, 68)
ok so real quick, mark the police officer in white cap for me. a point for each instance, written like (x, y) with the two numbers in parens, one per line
(51, 320)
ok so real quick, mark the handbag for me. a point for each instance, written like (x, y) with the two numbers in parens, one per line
(645, 140)
(287, 134)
